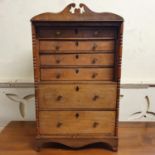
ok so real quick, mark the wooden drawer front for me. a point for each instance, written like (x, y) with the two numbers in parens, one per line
(77, 74)
(77, 122)
(90, 96)
(78, 59)
(76, 46)
(48, 32)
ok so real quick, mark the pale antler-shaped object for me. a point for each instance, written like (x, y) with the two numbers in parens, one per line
(21, 101)
(144, 112)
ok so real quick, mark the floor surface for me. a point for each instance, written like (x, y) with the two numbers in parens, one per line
(18, 138)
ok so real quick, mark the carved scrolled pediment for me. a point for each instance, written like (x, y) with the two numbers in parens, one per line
(75, 12)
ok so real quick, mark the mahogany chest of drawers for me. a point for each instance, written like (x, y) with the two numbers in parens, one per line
(77, 66)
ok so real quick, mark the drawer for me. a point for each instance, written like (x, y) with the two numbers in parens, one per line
(72, 96)
(77, 59)
(49, 32)
(77, 122)
(77, 74)
(75, 46)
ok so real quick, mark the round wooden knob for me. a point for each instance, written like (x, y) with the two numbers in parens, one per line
(95, 124)
(57, 61)
(58, 33)
(58, 76)
(59, 98)
(94, 75)
(95, 98)
(94, 61)
(57, 48)
(59, 124)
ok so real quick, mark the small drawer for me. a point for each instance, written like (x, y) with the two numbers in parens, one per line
(87, 32)
(72, 96)
(105, 74)
(77, 122)
(48, 32)
(75, 46)
(77, 59)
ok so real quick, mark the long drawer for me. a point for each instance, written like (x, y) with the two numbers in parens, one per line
(53, 32)
(72, 96)
(105, 74)
(77, 122)
(77, 59)
(75, 46)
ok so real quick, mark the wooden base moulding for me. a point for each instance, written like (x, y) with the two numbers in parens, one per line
(76, 143)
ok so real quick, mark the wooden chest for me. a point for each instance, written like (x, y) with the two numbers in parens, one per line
(77, 66)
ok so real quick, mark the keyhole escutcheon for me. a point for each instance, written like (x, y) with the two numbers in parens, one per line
(77, 115)
(77, 71)
(77, 88)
